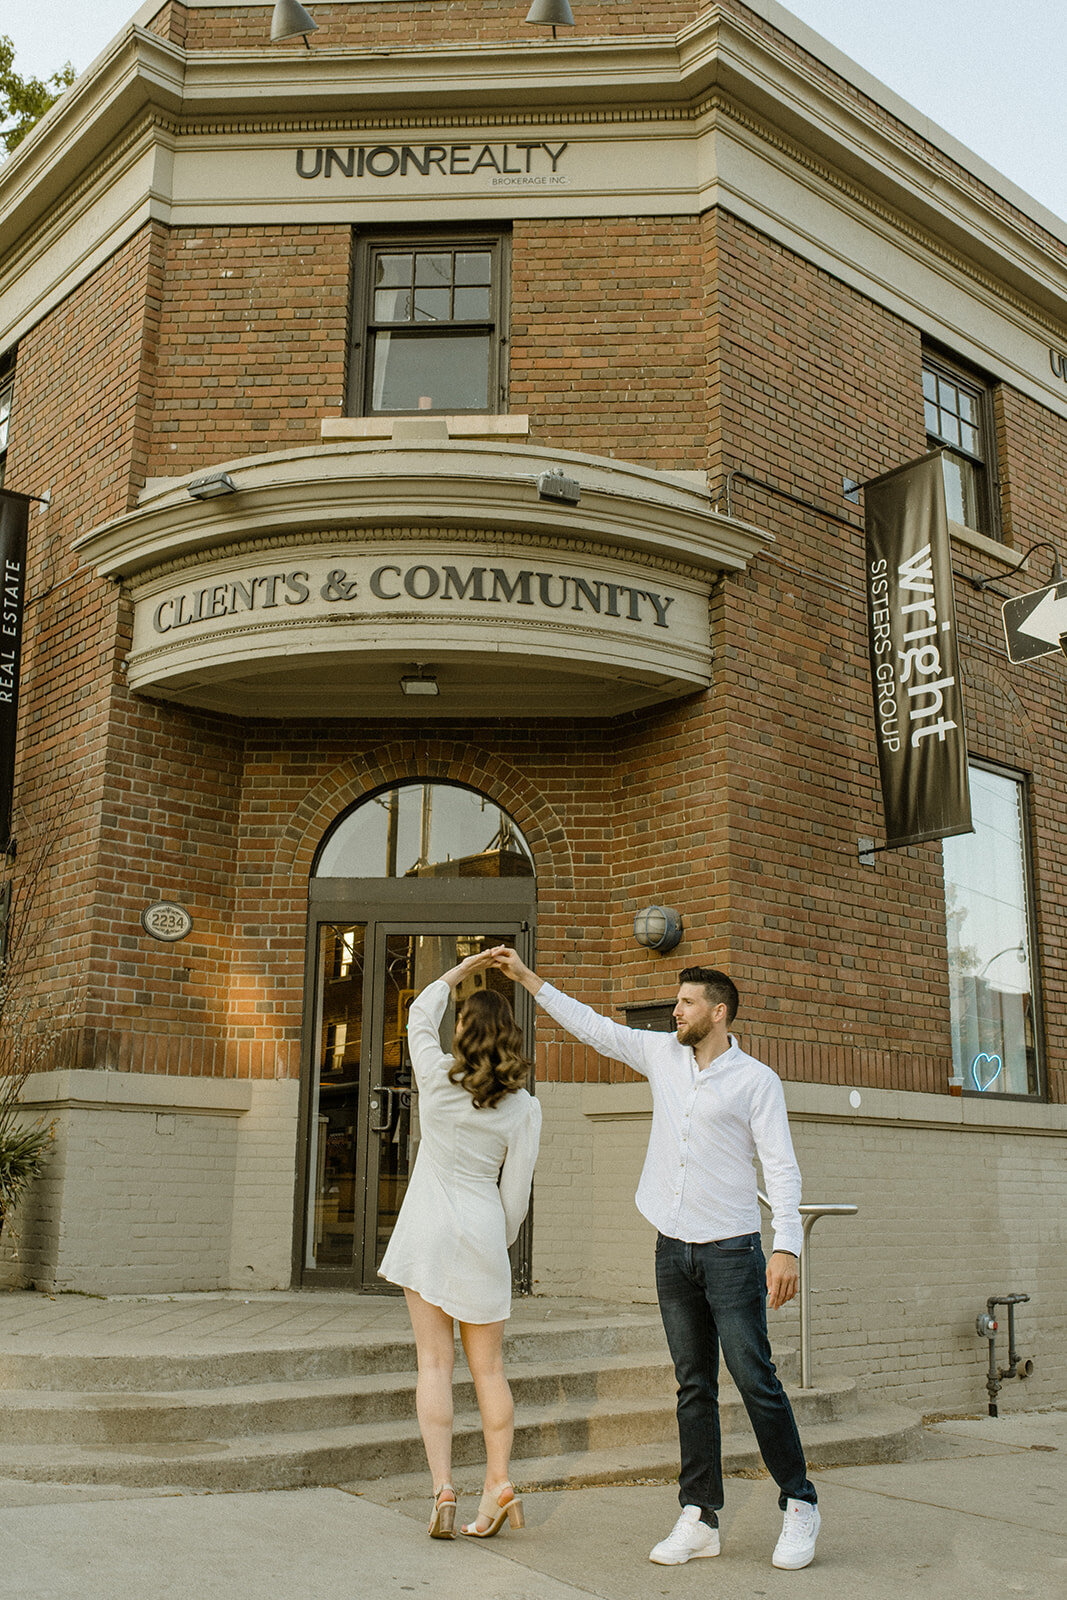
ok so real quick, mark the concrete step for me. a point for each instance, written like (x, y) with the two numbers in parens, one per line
(37, 1416)
(125, 1368)
(884, 1433)
(605, 1429)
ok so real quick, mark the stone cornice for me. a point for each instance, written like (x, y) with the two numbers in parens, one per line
(102, 162)
(422, 487)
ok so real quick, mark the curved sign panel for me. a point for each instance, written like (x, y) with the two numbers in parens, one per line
(330, 629)
(314, 581)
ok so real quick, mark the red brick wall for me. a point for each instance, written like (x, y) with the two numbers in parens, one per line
(252, 342)
(672, 343)
(607, 343)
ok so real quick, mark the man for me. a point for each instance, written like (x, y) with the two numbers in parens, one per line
(713, 1109)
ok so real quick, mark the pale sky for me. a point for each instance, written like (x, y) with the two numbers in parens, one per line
(991, 73)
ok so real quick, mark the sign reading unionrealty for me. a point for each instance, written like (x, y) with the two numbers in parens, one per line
(915, 676)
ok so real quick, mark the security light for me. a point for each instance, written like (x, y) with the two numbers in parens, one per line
(210, 488)
(290, 20)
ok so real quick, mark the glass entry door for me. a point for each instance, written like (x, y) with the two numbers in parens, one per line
(361, 1116)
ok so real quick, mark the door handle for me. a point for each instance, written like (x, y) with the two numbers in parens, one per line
(387, 1120)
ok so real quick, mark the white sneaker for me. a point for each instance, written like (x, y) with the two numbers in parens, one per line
(800, 1529)
(688, 1539)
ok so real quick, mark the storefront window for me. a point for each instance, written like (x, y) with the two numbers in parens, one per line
(992, 971)
(426, 830)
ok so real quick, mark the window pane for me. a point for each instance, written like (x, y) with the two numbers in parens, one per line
(994, 1045)
(961, 492)
(474, 266)
(430, 372)
(435, 269)
(946, 394)
(392, 270)
(950, 428)
(929, 385)
(930, 413)
(426, 830)
(471, 305)
(968, 406)
(432, 305)
(969, 438)
(392, 305)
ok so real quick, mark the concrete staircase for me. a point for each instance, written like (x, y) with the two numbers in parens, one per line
(594, 1404)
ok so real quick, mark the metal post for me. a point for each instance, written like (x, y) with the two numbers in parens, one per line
(809, 1217)
(805, 1306)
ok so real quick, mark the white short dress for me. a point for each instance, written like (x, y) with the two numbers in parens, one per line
(469, 1188)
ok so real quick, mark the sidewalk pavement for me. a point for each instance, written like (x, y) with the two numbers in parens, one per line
(980, 1517)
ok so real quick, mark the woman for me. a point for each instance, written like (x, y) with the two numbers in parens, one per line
(468, 1195)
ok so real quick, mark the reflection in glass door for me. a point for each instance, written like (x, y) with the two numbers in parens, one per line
(410, 962)
(334, 1119)
(362, 1115)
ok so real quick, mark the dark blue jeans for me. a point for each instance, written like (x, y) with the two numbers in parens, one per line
(713, 1295)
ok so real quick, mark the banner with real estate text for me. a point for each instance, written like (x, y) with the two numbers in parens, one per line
(915, 674)
(14, 522)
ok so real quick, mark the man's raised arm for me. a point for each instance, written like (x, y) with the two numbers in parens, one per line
(630, 1045)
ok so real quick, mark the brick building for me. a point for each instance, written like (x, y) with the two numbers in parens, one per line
(445, 432)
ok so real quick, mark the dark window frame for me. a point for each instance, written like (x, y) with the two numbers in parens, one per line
(987, 474)
(364, 328)
(7, 388)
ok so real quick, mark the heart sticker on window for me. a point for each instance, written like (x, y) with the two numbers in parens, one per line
(983, 1077)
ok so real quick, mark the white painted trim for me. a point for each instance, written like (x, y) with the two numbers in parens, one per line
(137, 1091)
(821, 1102)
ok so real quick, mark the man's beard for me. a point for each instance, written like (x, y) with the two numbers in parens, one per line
(692, 1033)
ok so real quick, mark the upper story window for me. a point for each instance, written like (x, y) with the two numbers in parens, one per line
(429, 325)
(959, 420)
(7, 389)
(991, 945)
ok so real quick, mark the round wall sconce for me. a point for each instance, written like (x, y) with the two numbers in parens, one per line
(658, 928)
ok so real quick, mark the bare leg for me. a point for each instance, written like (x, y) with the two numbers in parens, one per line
(435, 1347)
(483, 1343)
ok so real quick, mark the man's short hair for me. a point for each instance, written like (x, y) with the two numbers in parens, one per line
(720, 990)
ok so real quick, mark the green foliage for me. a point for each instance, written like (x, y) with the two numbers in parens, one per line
(22, 1155)
(24, 101)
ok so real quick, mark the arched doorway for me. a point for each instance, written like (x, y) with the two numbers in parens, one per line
(406, 883)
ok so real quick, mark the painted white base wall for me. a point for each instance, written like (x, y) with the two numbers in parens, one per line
(157, 1185)
(958, 1199)
(163, 1185)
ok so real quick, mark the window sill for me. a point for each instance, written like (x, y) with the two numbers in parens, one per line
(509, 426)
(982, 543)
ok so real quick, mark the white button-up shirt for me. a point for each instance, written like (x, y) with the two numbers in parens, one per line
(708, 1128)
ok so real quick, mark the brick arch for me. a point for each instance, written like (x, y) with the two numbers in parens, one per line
(438, 760)
(999, 727)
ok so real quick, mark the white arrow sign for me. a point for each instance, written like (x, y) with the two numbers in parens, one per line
(1034, 623)
(1048, 619)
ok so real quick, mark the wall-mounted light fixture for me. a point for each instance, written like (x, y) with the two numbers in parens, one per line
(421, 682)
(289, 21)
(553, 13)
(212, 487)
(658, 928)
(554, 486)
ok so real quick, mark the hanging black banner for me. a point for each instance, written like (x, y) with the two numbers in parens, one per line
(915, 675)
(14, 522)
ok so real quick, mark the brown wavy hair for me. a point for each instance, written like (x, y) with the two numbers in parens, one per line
(489, 1062)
